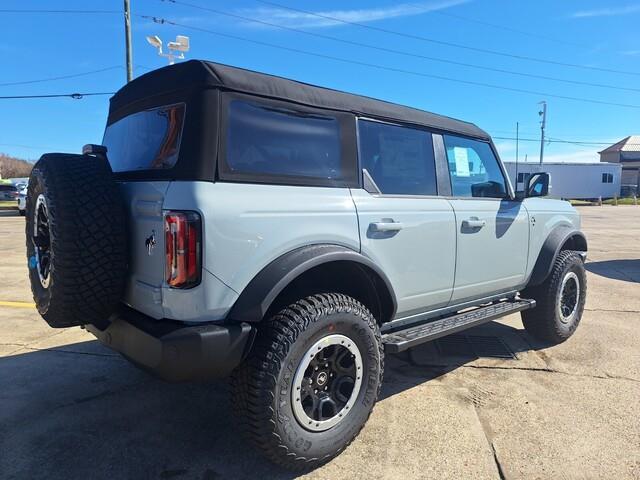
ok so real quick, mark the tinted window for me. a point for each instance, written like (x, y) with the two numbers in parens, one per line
(145, 140)
(399, 159)
(474, 169)
(271, 143)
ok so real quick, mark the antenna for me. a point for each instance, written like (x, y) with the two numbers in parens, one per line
(181, 45)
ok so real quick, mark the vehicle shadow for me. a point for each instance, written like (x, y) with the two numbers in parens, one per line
(627, 270)
(80, 411)
(435, 359)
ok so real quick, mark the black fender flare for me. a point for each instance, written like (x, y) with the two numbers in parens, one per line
(551, 247)
(256, 298)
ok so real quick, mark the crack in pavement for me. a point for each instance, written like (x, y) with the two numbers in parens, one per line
(57, 350)
(606, 376)
(488, 435)
(610, 310)
(97, 396)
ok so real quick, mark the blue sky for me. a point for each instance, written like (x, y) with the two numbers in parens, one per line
(594, 34)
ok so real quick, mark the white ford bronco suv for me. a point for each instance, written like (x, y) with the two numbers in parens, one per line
(238, 224)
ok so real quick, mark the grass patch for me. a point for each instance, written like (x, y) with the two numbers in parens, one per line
(609, 201)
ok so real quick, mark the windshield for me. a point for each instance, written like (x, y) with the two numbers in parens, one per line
(145, 140)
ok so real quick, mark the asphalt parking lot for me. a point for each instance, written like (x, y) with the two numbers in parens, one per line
(493, 404)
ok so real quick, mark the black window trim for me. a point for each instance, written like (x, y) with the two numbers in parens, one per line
(363, 180)
(509, 194)
(348, 149)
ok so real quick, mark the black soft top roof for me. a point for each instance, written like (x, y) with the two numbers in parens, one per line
(195, 74)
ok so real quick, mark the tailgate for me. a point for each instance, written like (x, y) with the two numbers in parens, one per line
(143, 202)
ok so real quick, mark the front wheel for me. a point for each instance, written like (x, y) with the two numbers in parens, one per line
(311, 381)
(560, 300)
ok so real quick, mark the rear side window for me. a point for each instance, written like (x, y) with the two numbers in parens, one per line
(277, 143)
(474, 168)
(145, 140)
(399, 159)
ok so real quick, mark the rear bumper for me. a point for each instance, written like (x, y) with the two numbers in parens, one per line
(177, 352)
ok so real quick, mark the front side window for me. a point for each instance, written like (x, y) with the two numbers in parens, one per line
(399, 159)
(474, 169)
(282, 144)
(146, 140)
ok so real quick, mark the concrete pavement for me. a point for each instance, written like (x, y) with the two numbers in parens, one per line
(70, 408)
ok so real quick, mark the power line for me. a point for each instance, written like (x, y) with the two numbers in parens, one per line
(570, 142)
(61, 77)
(506, 28)
(75, 96)
(387, 68)
(59, 11)
(30, 147)
(400, 52)
(448, 44)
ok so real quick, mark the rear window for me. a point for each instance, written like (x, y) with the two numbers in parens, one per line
(281, 144)
(145, 140)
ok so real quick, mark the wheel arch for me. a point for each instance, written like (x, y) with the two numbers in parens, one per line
(313, 269)
(560, 238)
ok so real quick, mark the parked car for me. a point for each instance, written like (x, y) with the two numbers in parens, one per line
(239, 224)
(8, 192)
(22, 203)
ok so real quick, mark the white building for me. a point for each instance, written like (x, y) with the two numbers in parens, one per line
(571, 180)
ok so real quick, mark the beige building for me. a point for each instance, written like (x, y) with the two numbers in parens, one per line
(627, 153)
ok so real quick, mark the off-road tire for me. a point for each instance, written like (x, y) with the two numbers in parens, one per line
(86, 221)
(544, 322)
(261, 386)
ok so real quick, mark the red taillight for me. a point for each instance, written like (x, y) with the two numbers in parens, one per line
(182, 247)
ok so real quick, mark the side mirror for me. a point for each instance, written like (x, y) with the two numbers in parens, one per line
(538, 185)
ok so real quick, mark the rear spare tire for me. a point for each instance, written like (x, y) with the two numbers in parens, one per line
(76, 243)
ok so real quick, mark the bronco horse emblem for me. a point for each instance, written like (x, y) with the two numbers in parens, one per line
(150, 242)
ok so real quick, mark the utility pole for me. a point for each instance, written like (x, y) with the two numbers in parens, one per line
(517, 148)
(127, 34)
(543, 114)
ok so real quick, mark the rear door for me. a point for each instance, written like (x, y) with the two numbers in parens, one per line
(492, 229)
(404, 227)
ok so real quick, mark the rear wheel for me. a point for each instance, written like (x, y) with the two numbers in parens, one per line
(311, 381)
(560, 300)
(76, 244)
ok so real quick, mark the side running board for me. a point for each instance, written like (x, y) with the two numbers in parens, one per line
(401, 340)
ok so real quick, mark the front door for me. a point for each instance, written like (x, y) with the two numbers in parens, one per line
(404, 227)
(492, 229)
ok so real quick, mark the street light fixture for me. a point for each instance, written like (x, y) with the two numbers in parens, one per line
(180, 45)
